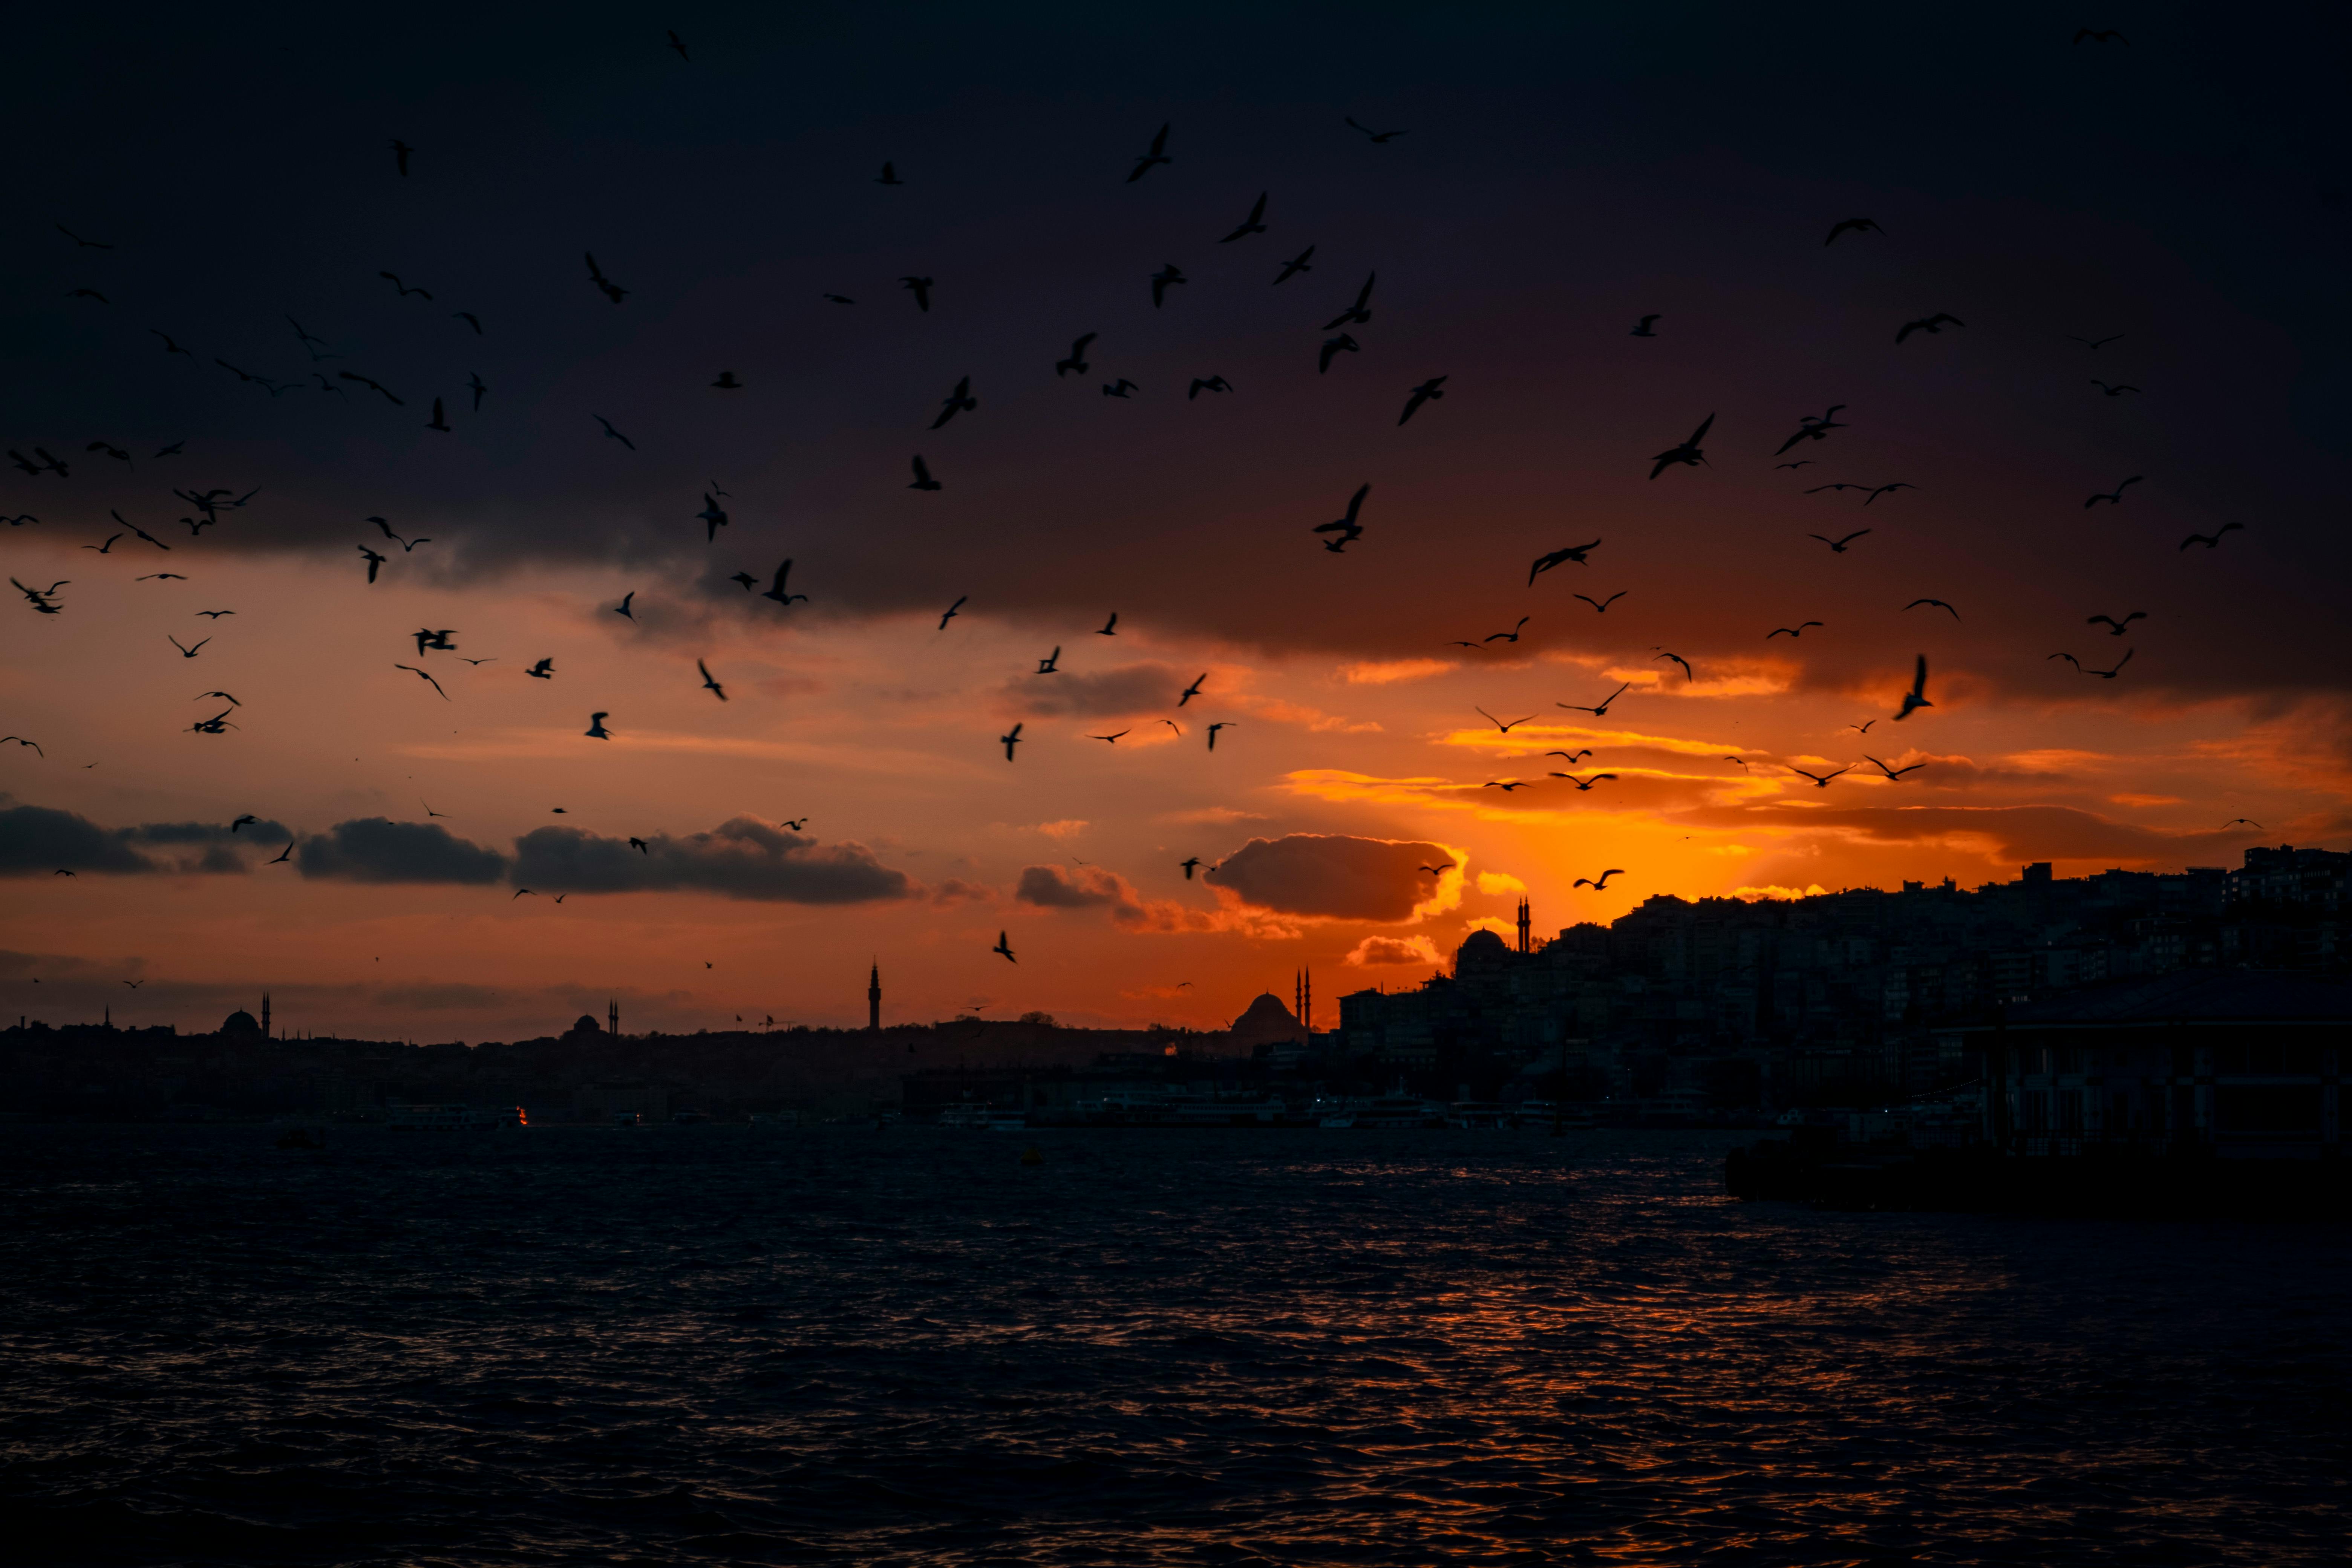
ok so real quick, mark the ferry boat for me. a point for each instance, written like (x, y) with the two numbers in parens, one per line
(1572, 1117)
(984, 1119)
(442, 1118)
(1479, 1115)
(1390, 1113)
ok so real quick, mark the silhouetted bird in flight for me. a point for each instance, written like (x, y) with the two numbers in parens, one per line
(841, 299)
(280, 858)
(2210, 541)
(439, 421)
(1078, 360)
(1511, 636)
(2117, 627)
(1051, 663)
(713, 516)
(1599, 884)
(1599, 605)
(727, 381)
(1191, 862)
(1796, 631)
(1356, 314)
(374, 560)
(2248, 821)
(1428, 390)
(1939, 603)
(404, 289)
(23, 741)
(1800, 463)
(623, 607)
(2095, 345)
(1254, 223)
(1930, 324)
(596, 731)
(921, 290)
(1208, 383)
(1575, 553)
(1221, 724)
(93, 294)
(1688, 453)
(1109, 628)
(2101, 35)
(1678, 659)
(1190, 692)
(1348, 525)
(923, 481)
(1863, 728)
(745, 578)
(1573, 757)
(1584, 784)
(426, 637)
(890, 175)
(1852, 226)
(1377, 136)
(1893, 775)
(543, 670)
(185, 651)
(1009, 740)
(956, 402)
(1004, 947)
(1812, 428)
(1500, 724)
(400, 152)
(951, 610)
(468, 316)
(2112, 391)
(1506, 785)
(1159, 155)
(1602, 710)
(1822, 779)
(2114, 496)
(1882, 489)
(711, 683)
(421, 675)
(616, 434)
(474, 383)
(1296, 265)
(1112, 738)
(1342, 343)
(680, 47)
(1641, 329)
(79, 240)
(1168, 273)
(776, 589)
(2102, 674)
(169, 346)
(611, 291)
(1837, 546)
(1122, 387)
(1917, 696)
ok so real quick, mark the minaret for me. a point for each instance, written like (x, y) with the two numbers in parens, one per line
(1306, 1000)
(613, 1017)
(874, 996)
(265, 1015)
(1525, 919)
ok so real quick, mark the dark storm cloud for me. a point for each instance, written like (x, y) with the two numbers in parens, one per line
(1514, 245)
(376, 849)
(1331, 875)
(1110, 694)
(37, 840)
(1051, 888)
(741, 859)
(2013, 832)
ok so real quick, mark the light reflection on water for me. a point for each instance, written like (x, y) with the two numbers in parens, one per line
(833, 1344)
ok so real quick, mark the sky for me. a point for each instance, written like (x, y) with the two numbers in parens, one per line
(2173, 196)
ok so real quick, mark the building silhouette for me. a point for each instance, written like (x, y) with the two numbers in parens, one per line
(874, 996)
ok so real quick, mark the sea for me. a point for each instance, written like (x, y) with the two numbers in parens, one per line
(847, 1345)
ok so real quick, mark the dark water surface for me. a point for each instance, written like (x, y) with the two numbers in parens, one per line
(705, 1344)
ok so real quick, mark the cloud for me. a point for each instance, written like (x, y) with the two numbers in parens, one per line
(1069, 827)
(38, 840)
(1092, 888)
(743, 857)
(377, 849)
(1332, 874)
(1110, 694)
(1387, 672)
(1491, 882)
(1376, 949)
(1051, 888)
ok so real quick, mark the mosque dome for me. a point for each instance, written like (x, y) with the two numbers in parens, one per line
(586, 1025)
(1480, 948)
(240, 1023)
(1266, 1019)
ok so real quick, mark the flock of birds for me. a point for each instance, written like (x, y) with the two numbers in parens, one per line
(206, 508)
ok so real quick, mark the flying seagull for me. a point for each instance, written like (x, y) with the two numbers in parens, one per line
(1917, 696)
(1009, 740)
(1575, 553)
(1254, 223)
(1930, 324)
(1852, 226)
(596, 731)
(1426, 391)
(1159, 155)
(1078, 360)
(1688, 453)
(1004, 948)
(709, 682)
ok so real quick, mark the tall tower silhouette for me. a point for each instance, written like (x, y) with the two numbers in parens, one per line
(265, 1015)
(1525, 919)
(613, 1017)
(874, 995)
(1302, 998)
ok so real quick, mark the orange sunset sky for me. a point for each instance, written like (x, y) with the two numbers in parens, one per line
(1559, 181)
